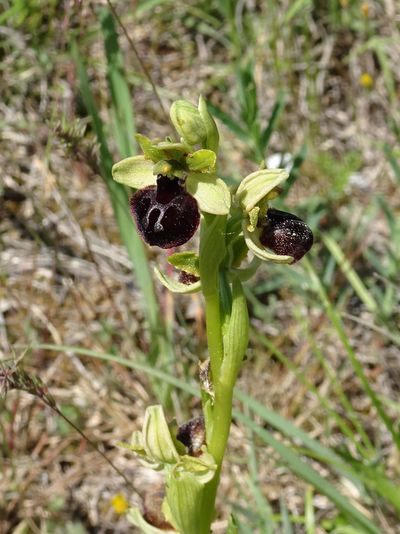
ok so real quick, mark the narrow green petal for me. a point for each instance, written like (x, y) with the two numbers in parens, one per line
(257, 185)
(212, 193)
(174, 286)
(136, 172)
(185, 261)
(253, 243)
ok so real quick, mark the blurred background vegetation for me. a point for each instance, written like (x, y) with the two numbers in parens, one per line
(308, 84)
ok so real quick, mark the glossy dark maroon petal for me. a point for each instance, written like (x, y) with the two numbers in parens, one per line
(285, 234)
(165, 215)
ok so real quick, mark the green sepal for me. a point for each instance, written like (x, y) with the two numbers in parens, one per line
(156, 436)
(176, 287)
(185, 261)
(236, 336)
(188, 122)
(149, 149)
(136, 172)
(202, 467)
(258, 185)
(212, 193)
(183, 503)
(136, 446)
(135, 517)
(253, 244)
(212, 137)
(202, 160)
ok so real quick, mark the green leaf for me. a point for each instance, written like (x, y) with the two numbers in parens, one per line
(236, 337)
(135, 172)
(183, 505)
(212, 193)
(201, 160)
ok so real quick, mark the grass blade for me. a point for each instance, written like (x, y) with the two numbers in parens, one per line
(351, 275)
(124, 124)
(337, 323)
(307, 473)
(277, 110)
(119, 200)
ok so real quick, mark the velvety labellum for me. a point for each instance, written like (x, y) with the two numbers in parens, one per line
(286, 234)
(165, 214)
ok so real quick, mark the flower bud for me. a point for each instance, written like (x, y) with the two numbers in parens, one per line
(188, 122)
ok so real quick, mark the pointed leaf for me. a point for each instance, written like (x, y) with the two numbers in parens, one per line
(183, 505)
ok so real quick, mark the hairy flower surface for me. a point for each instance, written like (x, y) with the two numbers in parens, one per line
(165, 214)
(286, 234)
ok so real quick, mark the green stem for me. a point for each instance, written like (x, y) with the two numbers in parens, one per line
(214, 332)
(222, 409)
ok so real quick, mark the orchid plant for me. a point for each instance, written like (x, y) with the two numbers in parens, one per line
(178, 190)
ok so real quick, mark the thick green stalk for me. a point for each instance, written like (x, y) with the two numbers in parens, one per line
(222, 409)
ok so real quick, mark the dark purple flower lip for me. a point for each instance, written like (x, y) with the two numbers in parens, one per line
(285, 234)
(165, 214)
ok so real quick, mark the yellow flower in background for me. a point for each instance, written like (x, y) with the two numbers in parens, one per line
(119, 503)
(365, 9)
(366, 80)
